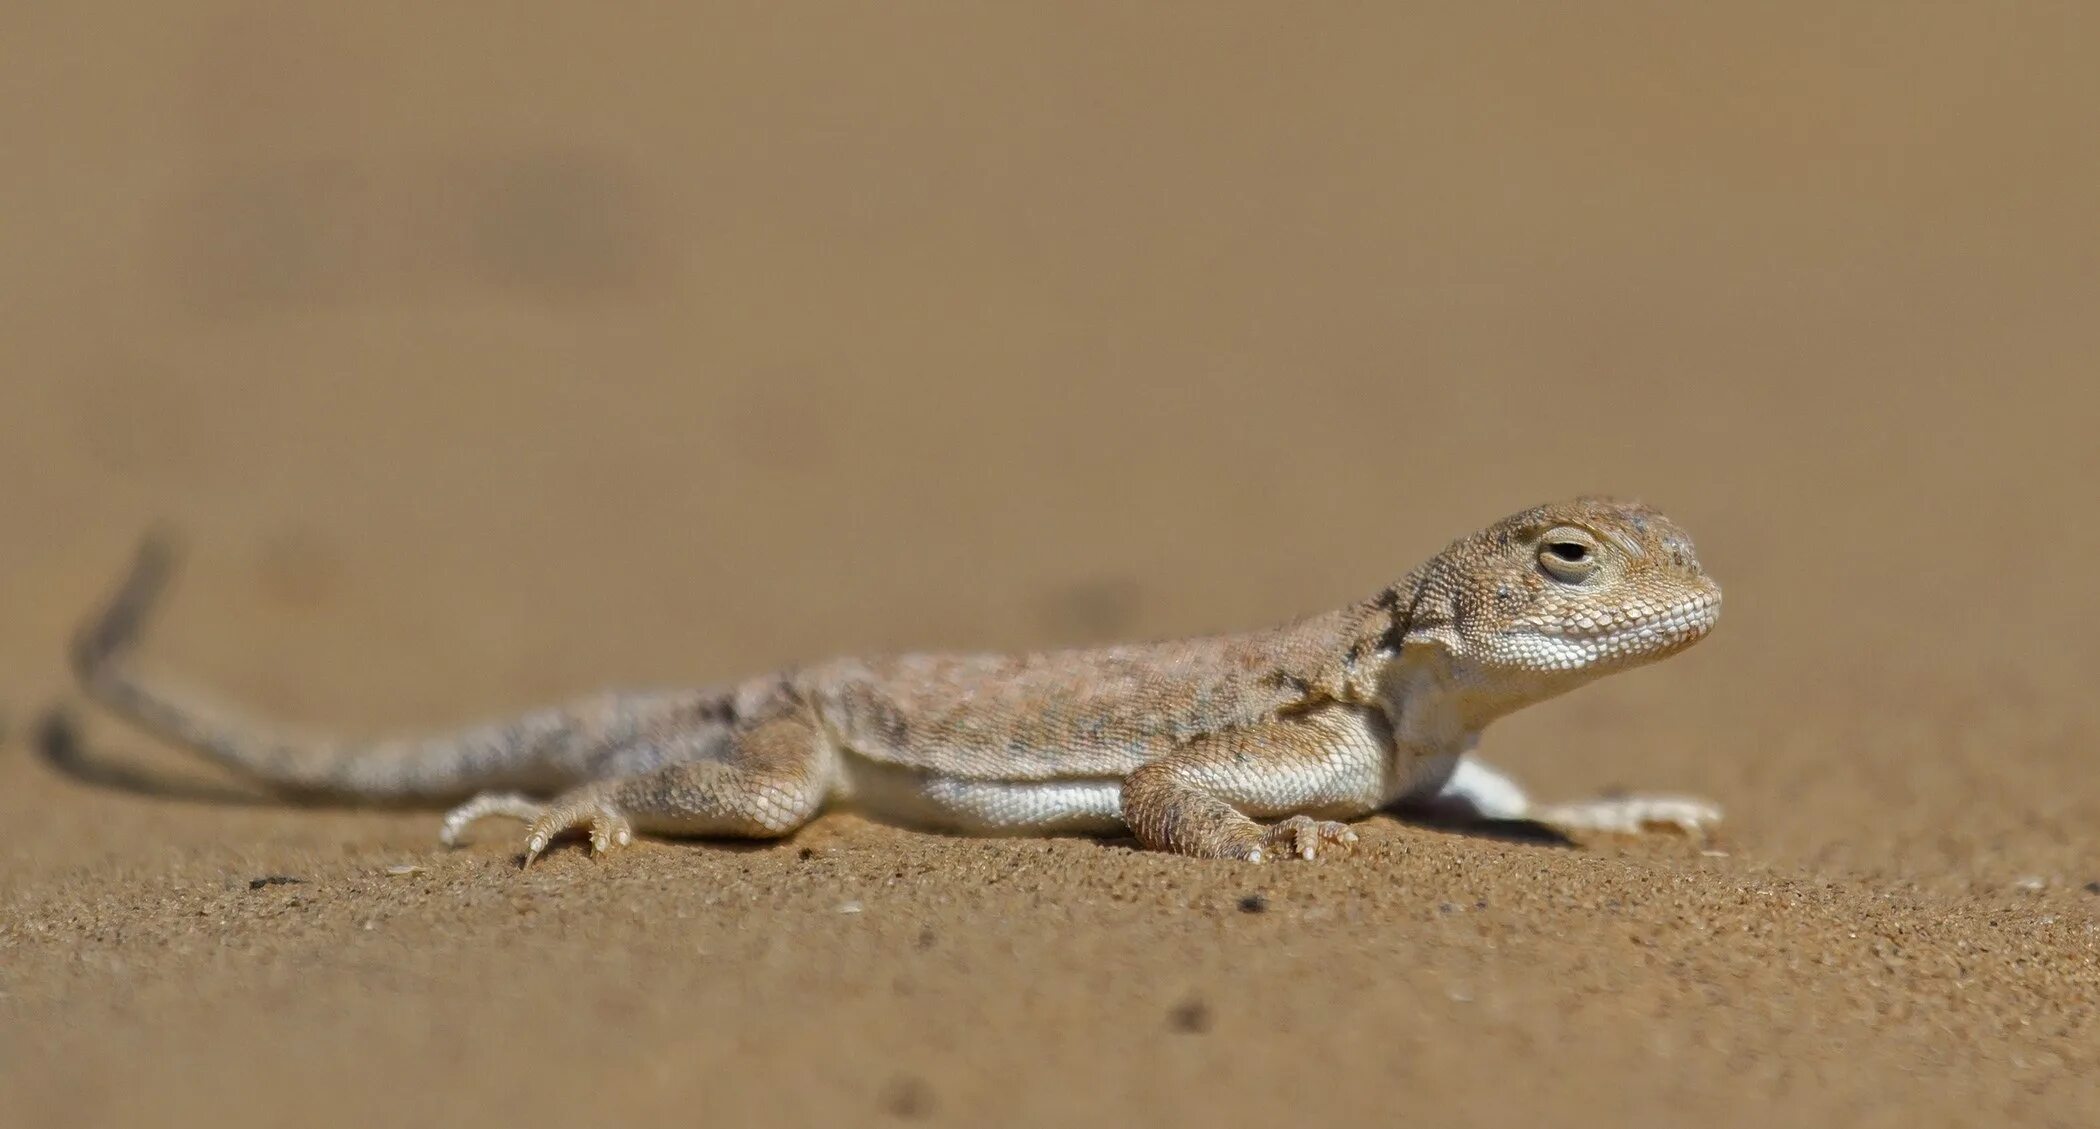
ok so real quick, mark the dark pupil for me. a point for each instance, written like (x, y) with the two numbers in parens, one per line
(1568, 550)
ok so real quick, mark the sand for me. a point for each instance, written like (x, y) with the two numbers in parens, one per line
(485, 358)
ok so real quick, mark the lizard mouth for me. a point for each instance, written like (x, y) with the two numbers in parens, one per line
(1645, 630)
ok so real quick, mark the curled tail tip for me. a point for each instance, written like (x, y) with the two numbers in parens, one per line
(106, 637)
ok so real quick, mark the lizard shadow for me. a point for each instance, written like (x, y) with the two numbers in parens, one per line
(1523, 831)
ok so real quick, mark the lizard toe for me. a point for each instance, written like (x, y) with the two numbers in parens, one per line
(607, 827)
(1303, 837)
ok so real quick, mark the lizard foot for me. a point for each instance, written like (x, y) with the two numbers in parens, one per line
(1301, 836)
(509, 805)
(1632, 815)
(608, 828)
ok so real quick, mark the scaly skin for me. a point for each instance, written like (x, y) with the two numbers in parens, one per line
(1186, 743)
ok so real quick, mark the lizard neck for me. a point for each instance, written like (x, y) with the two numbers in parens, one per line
(1438, 703)
(1341, 656)
(1405, 663)
(1388, 654)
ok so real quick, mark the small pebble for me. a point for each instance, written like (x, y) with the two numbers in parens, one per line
(1254, 903)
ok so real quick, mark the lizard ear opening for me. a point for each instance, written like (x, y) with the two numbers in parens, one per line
(1442, 637)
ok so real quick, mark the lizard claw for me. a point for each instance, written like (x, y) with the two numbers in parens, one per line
(1301, 836)
(608, 828)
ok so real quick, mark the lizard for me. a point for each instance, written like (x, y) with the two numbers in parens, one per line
(1256, 746)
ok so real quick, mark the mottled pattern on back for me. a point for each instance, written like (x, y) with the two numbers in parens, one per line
(1075, 713)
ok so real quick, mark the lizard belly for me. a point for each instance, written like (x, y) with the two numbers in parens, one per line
(980, 807)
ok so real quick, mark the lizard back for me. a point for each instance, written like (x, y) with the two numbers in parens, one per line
(1069, 714)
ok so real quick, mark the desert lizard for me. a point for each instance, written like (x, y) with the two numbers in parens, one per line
(1186, 744)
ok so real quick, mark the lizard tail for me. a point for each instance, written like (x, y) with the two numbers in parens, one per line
(539, 752)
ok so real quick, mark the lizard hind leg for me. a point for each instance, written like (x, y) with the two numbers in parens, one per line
(509, 805)
(770, 779)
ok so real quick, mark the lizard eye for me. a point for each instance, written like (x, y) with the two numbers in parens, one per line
(1568, 555)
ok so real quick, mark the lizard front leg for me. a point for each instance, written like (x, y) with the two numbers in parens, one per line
(1199, 799)
(1473, 790)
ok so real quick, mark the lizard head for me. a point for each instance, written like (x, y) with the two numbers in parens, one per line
(1564, 593)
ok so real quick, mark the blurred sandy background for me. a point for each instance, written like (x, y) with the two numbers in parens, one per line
(485, 354)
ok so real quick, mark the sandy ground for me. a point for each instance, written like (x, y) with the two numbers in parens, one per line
(486, 358)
